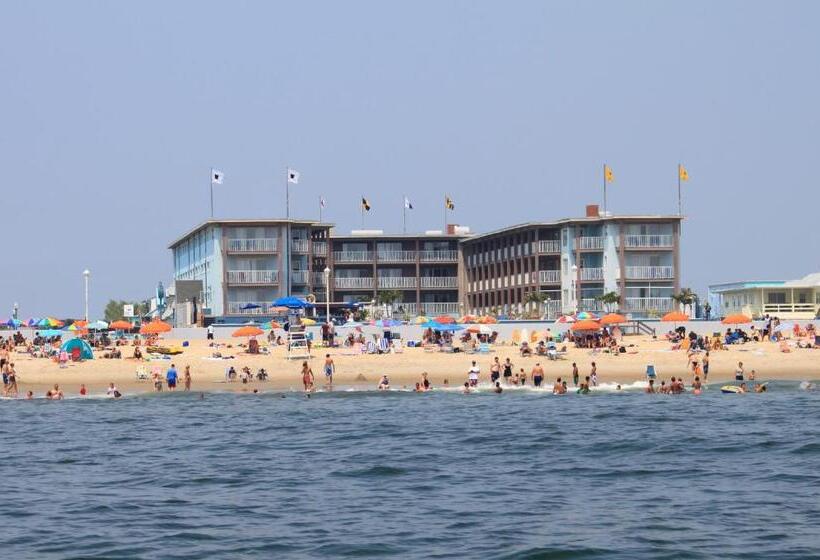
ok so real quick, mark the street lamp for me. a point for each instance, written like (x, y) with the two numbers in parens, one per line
(327, 293)
(16, 309)
(577, 282)
(86, 275)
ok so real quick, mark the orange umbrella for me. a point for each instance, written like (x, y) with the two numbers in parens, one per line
(675, 317)
(248, 330)
(736, 319)
(487, 320)
(121, 325)
(474, 329)
(467, 319)
(586, 326)
(155, 327)
(612, 319)
(444, 319)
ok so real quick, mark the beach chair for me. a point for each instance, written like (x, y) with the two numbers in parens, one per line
(515, 337)
(371, 348)
(398, 347)
(142, 374)
(651, 373)
(384, 345)
(533, 337)
(484, 348)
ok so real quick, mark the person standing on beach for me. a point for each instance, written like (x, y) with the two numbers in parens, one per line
(307, 377)
(210, 331)
(537, 375)
(507, 371)
(330, 369)
(472, 374)
(739, 372)
(495, 371)
(171, 378)
(187, 378)
(593, 374)
(575, 374)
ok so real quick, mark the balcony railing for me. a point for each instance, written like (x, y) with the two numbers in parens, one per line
(442, 282)
(549, 246)
(396, 256)
(401, 308)
(647, 241)
(650, 272)
(591, 243)
(433, 309)
(353, 256)
(592, 274)
(549, 276)
(253, 277)
(354, 283)
(235, 308)
(590, 304)
(438, 256)
(299, 245)
(320, 248)
(254, 245)
(647, 304)
(318, 279)
(400, 282)
(299, 276)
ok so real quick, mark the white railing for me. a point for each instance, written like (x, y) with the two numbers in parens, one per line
(439, 282)
(235, 308)
(299, 276)
(646, 304)
(352, 256)
(254, 245)
(400, 309)
(648, 241)
(253, 276)
(396, 256)
(320, 247)
(438, 256)
(390, 282)
(433, 309)
(649, 272)
(591, 243)
(549, 276)
(590, 304)
(354, 283)
(299, 245)
(549, 246)
(790, 308)
(592, 274)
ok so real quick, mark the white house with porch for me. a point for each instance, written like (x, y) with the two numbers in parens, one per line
(793, 299)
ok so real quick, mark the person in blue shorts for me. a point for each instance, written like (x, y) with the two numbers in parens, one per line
(171, 377)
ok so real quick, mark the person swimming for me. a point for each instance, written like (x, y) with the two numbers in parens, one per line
(384, 383)
(498, 388)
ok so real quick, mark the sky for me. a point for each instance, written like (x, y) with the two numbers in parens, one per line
(113, 113)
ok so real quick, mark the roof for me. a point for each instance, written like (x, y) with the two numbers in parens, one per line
(808, 281)
(247, 221)
(584, 220)
(441, 235)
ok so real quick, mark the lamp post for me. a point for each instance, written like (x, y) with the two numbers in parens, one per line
(327, 293)
(86, 275)
(16, 309)
(577, 281)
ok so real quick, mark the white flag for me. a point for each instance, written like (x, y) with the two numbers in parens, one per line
(407, 203)
(293, 176)
(322, 202)
(216, 177)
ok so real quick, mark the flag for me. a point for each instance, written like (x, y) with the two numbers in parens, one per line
(608, 175)
(407, 203)
(365, 205)
(293, 176)
(448, 203)
(683, 174)
(216, 177)
(322, 202)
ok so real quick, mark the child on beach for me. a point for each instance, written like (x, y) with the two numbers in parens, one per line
(330, 368)
(307, 377)
(187, 378)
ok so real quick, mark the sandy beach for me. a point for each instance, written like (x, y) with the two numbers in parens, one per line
(404, 369)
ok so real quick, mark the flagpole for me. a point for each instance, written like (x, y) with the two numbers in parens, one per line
(287, 193)
(404, 215)
(212, 191)
(605, 189)
(680, 205)
(320, 209)
(287, 232)
(361, 204)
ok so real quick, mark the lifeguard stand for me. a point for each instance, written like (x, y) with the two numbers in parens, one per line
(297, 343)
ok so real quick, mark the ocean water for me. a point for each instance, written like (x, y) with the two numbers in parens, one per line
(523, 474)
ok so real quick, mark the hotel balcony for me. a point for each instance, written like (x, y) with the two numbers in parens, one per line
(253, 245)
(319, 279)
(353, 283)
(550, 246)
(396, 256)
(353, 256)
(300, 276)
(438, 256)
(235, 308)
(647, 304)
(549, 276)
(320, 248)
(592, 274)
(647, 241)
(253, 277)
(426, 309)
(590, 304)
(591, 243)
(299, 245)
(650, 272)
(439, 282)
(397, 282)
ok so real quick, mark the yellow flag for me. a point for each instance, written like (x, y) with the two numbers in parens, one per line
(448, 203)
(608, 175)
(683, 173)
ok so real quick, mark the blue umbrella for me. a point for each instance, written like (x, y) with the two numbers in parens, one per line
(51, 332)
(387, 323)
(291, 303)
(14, 323)
(450, 328)
(250, 306)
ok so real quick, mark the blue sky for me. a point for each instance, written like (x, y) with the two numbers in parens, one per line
(113, 113)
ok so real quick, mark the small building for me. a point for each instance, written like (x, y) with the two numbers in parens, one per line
(793, 299)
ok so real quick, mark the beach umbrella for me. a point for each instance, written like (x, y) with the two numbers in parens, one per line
(675, 317)
(97, 325)
(444, 319)
(291, 303)
(50, 322)
(564, 319)
(155, 327)
(736, 319)
(308, 322)
(487, 320)
(432, 325)
(351, 324)
(50, 332)
(612, 319)
(421, 319)
(587, 325)
(387, 323)
(270, 325)
(468, 319)
(13, 323)
(450, 327)
(121, 325)
(586, 316)
(248, 330)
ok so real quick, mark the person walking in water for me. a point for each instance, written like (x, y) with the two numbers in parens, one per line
(307, 377)
(593, 374)
(171, 378)
(507, 371)
(575, 374)
(187, 378)
(537, 375)
(330, 369)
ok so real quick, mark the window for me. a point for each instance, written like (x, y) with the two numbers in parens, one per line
(776, 297)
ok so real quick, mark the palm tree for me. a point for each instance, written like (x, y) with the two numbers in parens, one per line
(686, 297)
(538, 298)
(609, 299)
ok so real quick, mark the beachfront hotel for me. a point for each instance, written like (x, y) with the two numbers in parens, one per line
(574, 262)
(792, 299)
(238, 267)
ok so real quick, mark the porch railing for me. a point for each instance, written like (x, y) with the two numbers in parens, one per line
(592, 274)
(549, 246)
(647, 241)
(396, 256)
(438, 256)
(549, 276)
(590, 243)
(353, 256)
(394, 282)
(354, 283)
